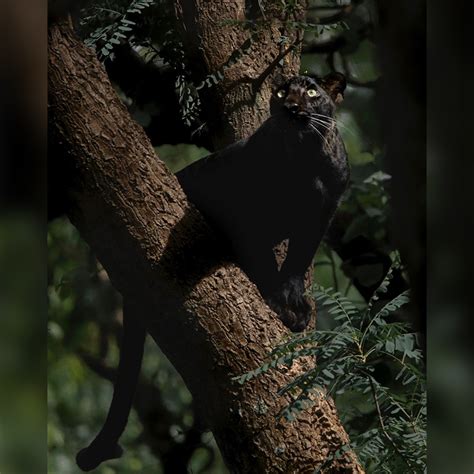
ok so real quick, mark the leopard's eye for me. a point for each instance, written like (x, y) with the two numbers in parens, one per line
(312, 92)
(281, 93)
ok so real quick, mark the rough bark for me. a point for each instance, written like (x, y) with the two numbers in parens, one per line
(212, 32)
(206, 316)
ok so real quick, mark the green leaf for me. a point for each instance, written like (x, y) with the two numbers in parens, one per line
(390, 347)
(377, 177)
(396, 303)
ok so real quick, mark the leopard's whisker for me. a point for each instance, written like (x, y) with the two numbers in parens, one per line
(324, 124)
(313, 127)
(323, 138)
(338, 121)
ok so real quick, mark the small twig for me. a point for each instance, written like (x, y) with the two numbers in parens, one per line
(259, 81)
(382, 425)
(101, 9)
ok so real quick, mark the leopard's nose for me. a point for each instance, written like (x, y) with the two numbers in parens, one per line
(292, 107)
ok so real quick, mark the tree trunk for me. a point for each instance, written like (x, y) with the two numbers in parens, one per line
(206, 316)
(266, 46)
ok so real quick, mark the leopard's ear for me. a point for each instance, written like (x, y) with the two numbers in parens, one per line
(334, 84)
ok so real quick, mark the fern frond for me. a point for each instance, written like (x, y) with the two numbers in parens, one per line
(104, 39)
(387, 309)
(347, 359)
(339, 306)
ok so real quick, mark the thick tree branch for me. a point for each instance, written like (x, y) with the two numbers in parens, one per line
(207, 317)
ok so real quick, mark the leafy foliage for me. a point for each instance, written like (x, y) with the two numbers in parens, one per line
(368, 200)
(110, 23)
(349, 357)
(105, 38)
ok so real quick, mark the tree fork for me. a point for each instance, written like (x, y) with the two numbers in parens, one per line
(205, 315)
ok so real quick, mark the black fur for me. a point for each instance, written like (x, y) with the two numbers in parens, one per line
(281, 183)
(284, 182)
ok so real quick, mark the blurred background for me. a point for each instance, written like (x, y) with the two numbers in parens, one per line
(84, 311)
(23, 304)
